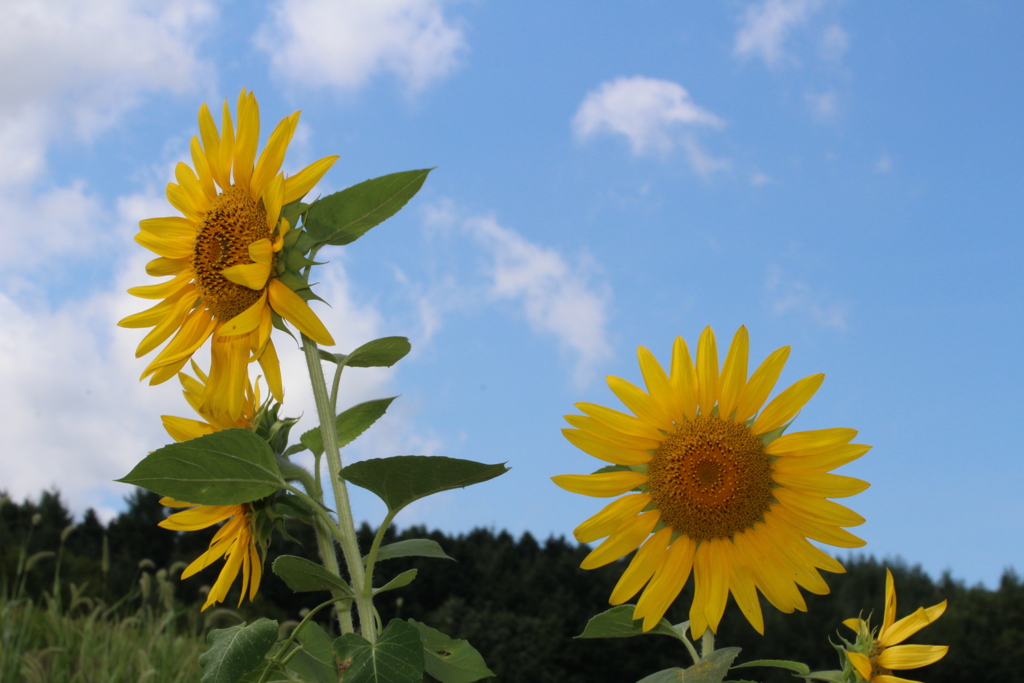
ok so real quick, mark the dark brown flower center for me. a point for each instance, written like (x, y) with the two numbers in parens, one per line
(710, 478)
(233, 222)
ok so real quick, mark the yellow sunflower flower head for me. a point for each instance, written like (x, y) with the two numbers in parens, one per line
(221, 257)
(876, 654)
(239, 540)
(705, 484)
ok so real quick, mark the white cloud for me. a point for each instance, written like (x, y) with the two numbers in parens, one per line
(823, 105)
(72, 67)
(703, 163)
(790, 296)
(766, 26)
(557, 298)
(758, 178)
(884, 164)
(343, 44)
(650, 113)
(834, 43)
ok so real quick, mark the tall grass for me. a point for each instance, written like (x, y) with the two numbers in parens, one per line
(67, 637)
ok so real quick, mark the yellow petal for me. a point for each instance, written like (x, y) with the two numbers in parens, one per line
(641, 568)
(262, 251)
(170, 323)
(861, 663)
(823, 533)
(777, 536)
(273, 200)
(707, 371)
(605, 451)
(180, 200)
(202, 167)
(292, 308)
(302, 182)
(603, 485)
(829, 460)
(817, 509)
(602, 431)
(246, 321)
(251, 275)
(889, 617)
(911, 656)
(225, 391)
(184, 429)
(169, 226)
(814, 483)
(196, 329)
(621, 422)
(886, 678)
(611, 517)
(668, 581)
(168, 247)
(645, 407)
(711, 585)
(853, 624)
(198, 517)
(745, 594)
(779, 590)
(761, 384)
(683, 378)
(162, 267)
(228, 573)
(171, 503)
(272, 370)
(164, 289)
(150, 316)
(658, 386)
(272, 157)
(810, 442)
(257, 571)
(908, 626)
(786, 405)
(246, 140)
(624, 541)
(227, 141)
(193, 189)
(211, 147)
(734, 374)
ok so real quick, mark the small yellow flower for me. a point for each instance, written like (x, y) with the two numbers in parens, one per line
(222, 254)
(883, 653)
(710, 489)
(234, 541)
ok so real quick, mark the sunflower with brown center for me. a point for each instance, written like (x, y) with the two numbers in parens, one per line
(713, 487)
(221, 254)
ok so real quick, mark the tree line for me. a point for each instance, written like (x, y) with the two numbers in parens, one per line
(521, 601)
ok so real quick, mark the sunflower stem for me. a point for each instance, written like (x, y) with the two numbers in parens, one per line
(346, 525)
(707, 643)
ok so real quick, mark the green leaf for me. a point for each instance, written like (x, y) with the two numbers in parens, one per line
(403, 579)
(303, 576)
(798, 667)
(450, 660)
(315, 662)
(834, 676)
(618, 622)
(402, 479)
(414, 547)
(236, 651)
(710, 669)
(344, 217)
(227, 467)
(396, 657)
(379, 353)
(350, 424)
(290, 504)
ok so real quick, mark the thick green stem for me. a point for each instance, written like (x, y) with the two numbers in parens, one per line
(707, 643)
(346, 525)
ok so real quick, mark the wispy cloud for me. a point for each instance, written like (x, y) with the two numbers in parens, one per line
(823, 105)
(766, 25)
(653, 115)
(834, 43)
(343, 44)
(791, 296)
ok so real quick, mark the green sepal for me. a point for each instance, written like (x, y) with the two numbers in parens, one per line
(293, 449)
(450, 660)
(618, 622)
(296, 261)
(294, 282)
(278, 322)
(402, 479)
(304, 576)
(710, 669)
(396, 657)
(400, 581)
(768, 437)
(349, 424)
(227, 467)
(315, 662)
(413, 547)
(798, 667)
(291, 212)
(237, 650)
(291, 505)
(343, 217)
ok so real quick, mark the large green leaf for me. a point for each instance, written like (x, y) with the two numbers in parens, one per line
(710, 669)
(236, 651)
(396, 657)
(450, 660)
(618, 622)
(413, 547)
(402, 479)
(403, 579)
(303, 576)
(379, 353)
(315, 661)
(227, 467)
(798, 667)
(349, 424)
(344, 217)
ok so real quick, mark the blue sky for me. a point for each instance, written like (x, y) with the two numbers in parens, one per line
(839, 177)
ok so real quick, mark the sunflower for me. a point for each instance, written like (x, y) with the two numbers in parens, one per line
(882, 652)
(221, 256)
(236, 539)
(715, 488)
